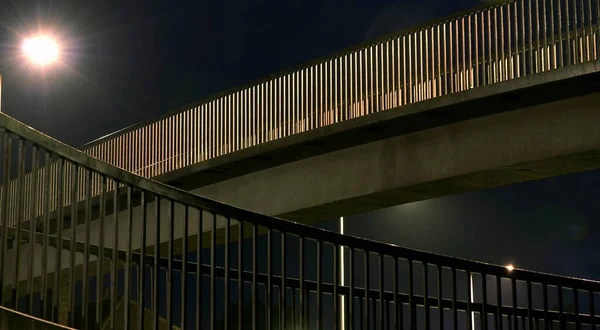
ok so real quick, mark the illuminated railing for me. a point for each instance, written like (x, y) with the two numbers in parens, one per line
(500, 43)
(243, 270)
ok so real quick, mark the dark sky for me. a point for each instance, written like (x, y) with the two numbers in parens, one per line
(129, 61)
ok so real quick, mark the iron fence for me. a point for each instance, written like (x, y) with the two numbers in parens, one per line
(145, 255)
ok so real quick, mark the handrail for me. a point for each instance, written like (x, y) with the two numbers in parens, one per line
(171, 195)
(502, 42)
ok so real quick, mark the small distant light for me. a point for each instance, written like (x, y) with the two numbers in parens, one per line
(510, 268)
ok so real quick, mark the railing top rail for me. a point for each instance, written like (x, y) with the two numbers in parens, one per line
(30, 318)
(304, 65)
(73, 155)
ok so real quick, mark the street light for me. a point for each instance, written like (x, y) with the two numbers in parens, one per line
(41, 50)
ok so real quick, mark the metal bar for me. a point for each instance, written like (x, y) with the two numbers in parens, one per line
(381, 288)
(127, 272)
(184, 259)
(484, 316)
(141, 266)
(100, 257)
(33, 229)
(592, 310)
(169, 270)
(568, 30)
(470, 321)
(114, 279)
(213, 265)
(440, 298)
(514, 301)
(156, 266)
(240, 281)
(499, 303)
(86, 249)
(226, 279)
(454, 298)
(336, 277)
(545, 301)
(19, 205)
(560, 307)
(366, 286)
(576, 43)
(4, 213)
(301, 270)
(426, 295)
(319, 283)
(283, 283)
(351, 295)
(254, 277)
(576, 304)
(269, 286)
(412, 325)
(529, 302)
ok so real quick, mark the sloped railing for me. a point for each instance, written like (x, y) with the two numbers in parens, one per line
(488, 46)
(200, 264)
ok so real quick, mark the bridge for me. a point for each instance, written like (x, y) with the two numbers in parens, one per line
(90, 240)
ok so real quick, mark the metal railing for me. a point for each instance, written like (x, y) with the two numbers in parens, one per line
(242, 270)
(504, 42)
(500, 43)
(10, 320)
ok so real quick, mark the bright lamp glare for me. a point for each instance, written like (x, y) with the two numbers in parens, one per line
(510, 268)
(41, 50)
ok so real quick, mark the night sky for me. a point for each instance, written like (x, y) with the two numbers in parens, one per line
(130, 61)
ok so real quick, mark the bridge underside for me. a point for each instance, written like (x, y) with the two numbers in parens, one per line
(532, 128)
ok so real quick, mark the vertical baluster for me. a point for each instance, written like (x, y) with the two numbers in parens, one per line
(499, 303)
(412, 325)
(426, 295)
(515, 306)
(127, 272)
(319, 285)
(33, 227)
(476, 37)
(511, 58)
(19, 206)
(100, 256)
(440, 299)
(115, 256)
(283, 289)
(142, 262)
(370, 88)
(454, 298)
(184, 261)
(484, 316)
(576, 301)
(451, 58)
(302, 301)
(405, 68)
(446, 74)
(439, 61)
(561, 319)
(213, 275)
(366, 300)
(169, 270)
(86, 247)
(254, 276)
(240, 278)
(547, 322)
(592, 310)
(576, 41)
(382, 305)
(6, 163)
(156, 265)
